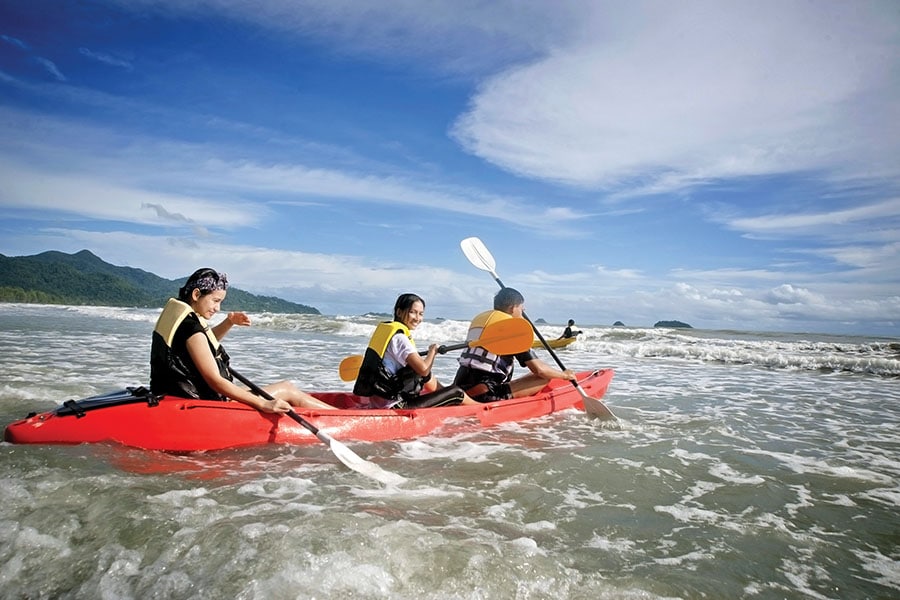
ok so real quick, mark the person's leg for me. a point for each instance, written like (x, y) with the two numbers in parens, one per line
(286, 390)
(468, 399)
(431, 385)
(478, 390)
(445, 396)
(527, 385)
(435, 385)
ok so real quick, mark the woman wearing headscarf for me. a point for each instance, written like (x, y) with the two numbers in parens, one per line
(187, 360)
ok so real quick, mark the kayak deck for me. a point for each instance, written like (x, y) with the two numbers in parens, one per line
(135, 417)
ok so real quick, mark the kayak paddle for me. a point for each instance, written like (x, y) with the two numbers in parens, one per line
(508, 336)
(481, 257)
(342, 452)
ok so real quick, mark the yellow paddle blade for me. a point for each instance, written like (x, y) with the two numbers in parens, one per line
(508, 336)
(349, 367)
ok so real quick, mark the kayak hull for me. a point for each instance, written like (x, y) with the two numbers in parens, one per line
(556, 343)
(137, 419)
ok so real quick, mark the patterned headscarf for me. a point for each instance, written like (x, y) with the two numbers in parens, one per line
(206, 280)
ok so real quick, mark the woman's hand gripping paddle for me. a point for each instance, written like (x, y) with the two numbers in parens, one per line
(342, 452)
(508, 336)
(481, 257)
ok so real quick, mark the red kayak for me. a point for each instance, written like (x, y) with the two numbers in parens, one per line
(137, 418)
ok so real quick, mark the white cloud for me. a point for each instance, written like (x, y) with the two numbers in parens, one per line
(788, 294)
(322, 280)
(813, 223)
(874, 262)
(106, 58)
(302, 180)
(14, 42)
(50, 67)
(865, 238)
(691, 91)
(456, 36)
(784, 307)
(27, 190)
(230, 186)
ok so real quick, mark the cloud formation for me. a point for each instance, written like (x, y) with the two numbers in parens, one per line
(695, 91)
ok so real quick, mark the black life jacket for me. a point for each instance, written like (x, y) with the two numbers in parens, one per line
(172, 372)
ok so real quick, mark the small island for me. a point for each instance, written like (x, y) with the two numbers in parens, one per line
(674, 324)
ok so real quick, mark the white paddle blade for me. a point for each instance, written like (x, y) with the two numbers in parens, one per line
(596, 408)
(354, 461)
(478, 254)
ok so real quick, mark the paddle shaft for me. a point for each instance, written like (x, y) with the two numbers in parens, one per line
(445, 349)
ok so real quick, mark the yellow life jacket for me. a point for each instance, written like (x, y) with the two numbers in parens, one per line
(383, 334)
(374, 378)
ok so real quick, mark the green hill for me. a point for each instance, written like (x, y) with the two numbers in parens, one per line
(85, 279)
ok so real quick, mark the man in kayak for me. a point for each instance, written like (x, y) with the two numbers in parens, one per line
(187, 360)
(569, 333)
(393, 373)
(487, 377)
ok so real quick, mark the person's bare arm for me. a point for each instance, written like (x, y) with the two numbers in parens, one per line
(545, 371)
(422, 365)
(198, 348)
(233, 318)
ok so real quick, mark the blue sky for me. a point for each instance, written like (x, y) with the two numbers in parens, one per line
(729, 164)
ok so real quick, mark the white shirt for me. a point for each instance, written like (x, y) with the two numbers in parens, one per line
(398, 350)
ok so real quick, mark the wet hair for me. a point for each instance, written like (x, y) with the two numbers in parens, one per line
(206, 280)
(507, 298)
(571, 321)
(403, 304)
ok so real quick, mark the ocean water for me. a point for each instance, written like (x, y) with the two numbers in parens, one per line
(747, 465)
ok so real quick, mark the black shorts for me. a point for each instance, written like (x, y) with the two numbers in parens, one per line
(497, 387)
(447, 396)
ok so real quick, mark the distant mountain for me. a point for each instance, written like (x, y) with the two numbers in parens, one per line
(85, 279)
